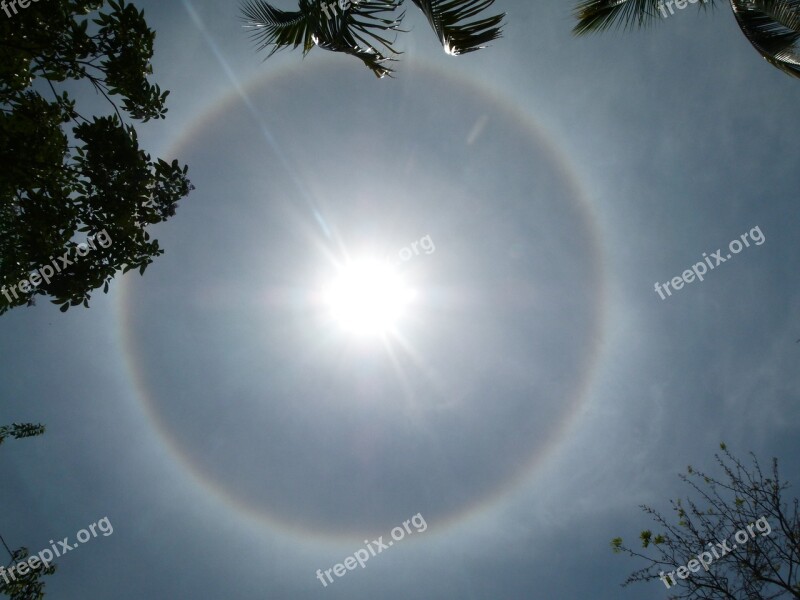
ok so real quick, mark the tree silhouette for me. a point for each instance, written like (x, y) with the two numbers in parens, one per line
(360, 28)
(761, 564)
(30, 585)
(57, 187)
(20, 430)
(771, 26)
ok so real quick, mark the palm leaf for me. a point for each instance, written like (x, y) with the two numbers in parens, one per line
(279, 28)
(599, 15)
(360, 31)
(447, 18)
(372, 59)
(773, 28)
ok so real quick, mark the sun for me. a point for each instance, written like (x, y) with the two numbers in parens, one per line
(368, 297)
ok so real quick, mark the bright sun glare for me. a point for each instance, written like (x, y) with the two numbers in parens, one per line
(368, 297)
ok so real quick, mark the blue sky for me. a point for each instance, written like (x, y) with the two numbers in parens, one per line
(538, 389)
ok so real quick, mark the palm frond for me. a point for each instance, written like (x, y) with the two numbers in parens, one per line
(773, 28)
(370, 19)
(278, 28)
(360, 31)
(447, 18)
(600, 15)
(372, 59)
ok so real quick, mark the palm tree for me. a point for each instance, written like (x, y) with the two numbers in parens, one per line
(362, 27)
(771, 26)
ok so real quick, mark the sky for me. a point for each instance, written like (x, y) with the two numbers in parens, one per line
(536, 388)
